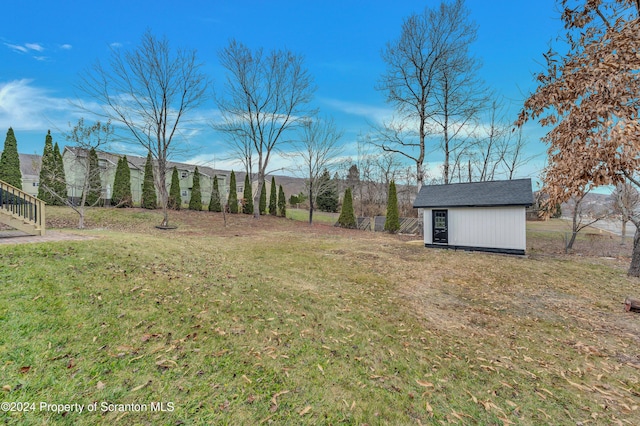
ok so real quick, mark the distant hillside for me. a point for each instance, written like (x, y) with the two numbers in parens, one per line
(591, 202)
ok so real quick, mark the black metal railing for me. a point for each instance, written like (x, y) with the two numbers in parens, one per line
(22, 205)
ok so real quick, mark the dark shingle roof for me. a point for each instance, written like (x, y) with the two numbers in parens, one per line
(515, 192)
(30, 165)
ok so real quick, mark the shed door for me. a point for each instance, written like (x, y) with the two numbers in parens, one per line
(440, 227)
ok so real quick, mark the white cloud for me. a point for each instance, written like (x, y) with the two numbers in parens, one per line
(17, 48)
(115, 45)
(373, 113)
(66, 46)
(26, 48)
(27, 107)
(34, 46)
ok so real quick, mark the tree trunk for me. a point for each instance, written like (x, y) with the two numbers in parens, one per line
(571, 240)
(256, 198)
(81, 218)
(574, 225)
(631, 305)
(634, 268)
(162, 189)
(624, 231)
(310, 202)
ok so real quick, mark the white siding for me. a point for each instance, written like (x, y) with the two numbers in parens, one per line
(428, 221)
(487, 227)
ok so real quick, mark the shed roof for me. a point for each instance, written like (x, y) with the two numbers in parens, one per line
(516, 192)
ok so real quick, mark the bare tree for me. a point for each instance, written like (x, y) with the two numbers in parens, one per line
(493, 144)
(149, 90)
(426, 79)
(583, 216)
(459, 94)
(495, 151)
(85, 174)
(589, 94)
(625, 201)
(368, 191)
(513, 153)
(265, 96)
(317, 148)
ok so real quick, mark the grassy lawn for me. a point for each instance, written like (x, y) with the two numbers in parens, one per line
(318, 216)
(275, 321)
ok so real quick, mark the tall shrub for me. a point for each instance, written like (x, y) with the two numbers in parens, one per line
(215, 204)
(347, 218)
(392, 222)
(47, 172)
(149, 197)
(175, 199)
(263, 199)
(282, 203)
(233, 194)
(195, 202)
(273, 198)
(121, 196)
(247, 202)
(10, 161)
(60, 179)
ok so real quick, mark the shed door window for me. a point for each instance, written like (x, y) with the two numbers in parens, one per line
(440, 227)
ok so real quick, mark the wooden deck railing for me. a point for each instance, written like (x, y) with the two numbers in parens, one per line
(23, 211)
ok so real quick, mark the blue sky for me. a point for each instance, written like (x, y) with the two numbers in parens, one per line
(46, 44)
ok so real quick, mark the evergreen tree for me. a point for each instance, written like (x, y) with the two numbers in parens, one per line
(116, 194)
(175, 199)
(10, 161)
(47, 172)
(94, 188)
(122, 196)
(327, 199)
(392, 222)
(195, 202)
(347, 218)
(149, 198)
(273, 200)
(215, 204)
(282, 203)
(263, 199)
(247, 204)
(233, 194)
(59, 178)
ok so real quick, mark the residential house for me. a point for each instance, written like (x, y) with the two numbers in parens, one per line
(74, 160)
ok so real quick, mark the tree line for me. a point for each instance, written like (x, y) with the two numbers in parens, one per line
(587, 95)
(53, 184)
(265, 105)
(265, 102)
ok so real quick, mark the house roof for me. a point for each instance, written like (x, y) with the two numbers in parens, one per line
(30, 165)
(516, 192)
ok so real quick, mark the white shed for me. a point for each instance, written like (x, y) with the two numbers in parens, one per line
(482, 216)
